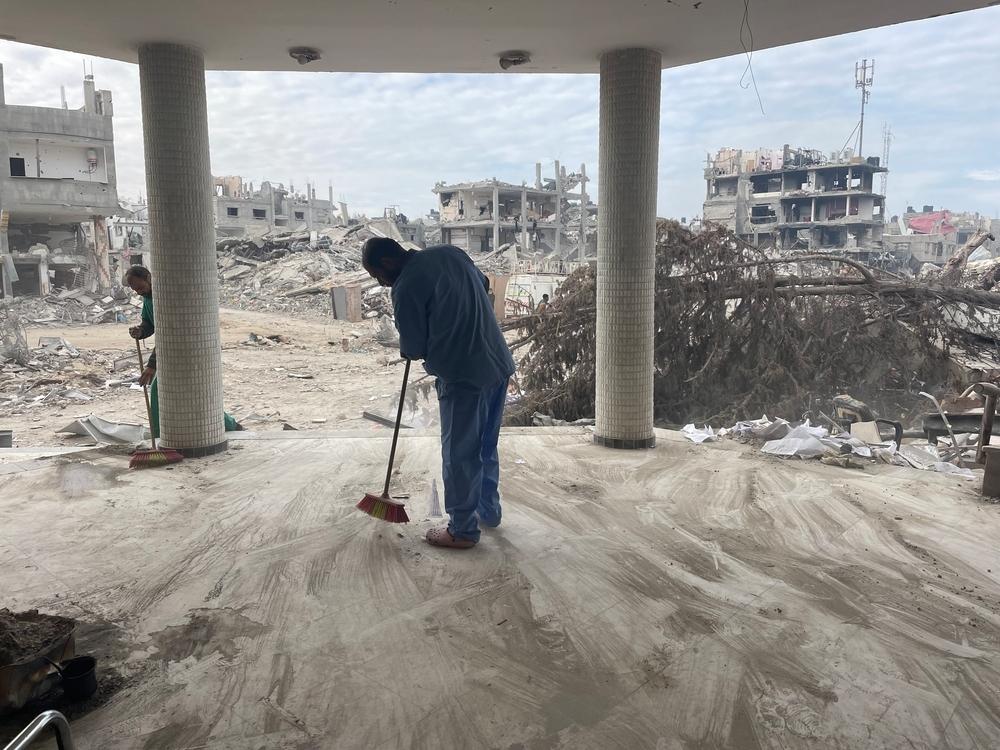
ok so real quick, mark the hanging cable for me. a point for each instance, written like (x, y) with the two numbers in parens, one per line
(746, 41)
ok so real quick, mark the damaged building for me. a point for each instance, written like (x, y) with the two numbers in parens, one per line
(57, 190)
(128, 235)
(929, 236)
(243, 210)
(554, 216)
(797, 199)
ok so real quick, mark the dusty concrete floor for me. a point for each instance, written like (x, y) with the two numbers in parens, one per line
(687, 597)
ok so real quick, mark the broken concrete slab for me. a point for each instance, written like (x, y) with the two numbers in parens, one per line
(107, 432)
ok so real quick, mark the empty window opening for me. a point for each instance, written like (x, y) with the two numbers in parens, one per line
(300, 215)
(260, 213)
(232, 211)
(16, 166)
(762, 215)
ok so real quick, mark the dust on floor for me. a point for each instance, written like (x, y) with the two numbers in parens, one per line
(686, 597)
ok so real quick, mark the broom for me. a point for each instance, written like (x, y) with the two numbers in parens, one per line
(384, 507)
(147, 459)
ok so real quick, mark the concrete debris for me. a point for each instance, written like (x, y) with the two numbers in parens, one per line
(267, 340)
(74, 307)
(13, 343)
(386, 334)
(850, 450)
(57, 373)
(294, 272)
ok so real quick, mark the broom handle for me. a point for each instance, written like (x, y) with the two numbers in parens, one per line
(145, 392)
(395, 432)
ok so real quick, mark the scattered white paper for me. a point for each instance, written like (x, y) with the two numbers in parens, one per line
(434, 500)
(802, 441)
(699, 434)
(946, 468)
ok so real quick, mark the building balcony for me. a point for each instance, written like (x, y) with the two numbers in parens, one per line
(20, 122)
(60, 199)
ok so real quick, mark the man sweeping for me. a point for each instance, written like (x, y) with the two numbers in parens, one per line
(445, 318)
(140, 281)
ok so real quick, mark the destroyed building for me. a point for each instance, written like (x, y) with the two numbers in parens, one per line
(929, 236)
(797, 199)
(414, 231)
(241, 210)
(128, 235)
(554, 216)
(57, 189)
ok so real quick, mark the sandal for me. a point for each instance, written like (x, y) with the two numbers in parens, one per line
(442, 538)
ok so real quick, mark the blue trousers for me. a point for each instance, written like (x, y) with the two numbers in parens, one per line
(470, 429)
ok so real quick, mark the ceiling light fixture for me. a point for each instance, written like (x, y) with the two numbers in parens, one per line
(304, 55)
(514, 57)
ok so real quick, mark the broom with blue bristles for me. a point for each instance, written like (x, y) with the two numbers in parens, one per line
(382, 506)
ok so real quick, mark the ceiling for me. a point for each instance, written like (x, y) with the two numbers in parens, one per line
(445, 36)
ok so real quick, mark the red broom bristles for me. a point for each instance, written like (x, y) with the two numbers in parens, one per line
(153, 458)
(383, 508)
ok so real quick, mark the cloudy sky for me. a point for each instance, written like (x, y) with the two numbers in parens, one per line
(385, 139)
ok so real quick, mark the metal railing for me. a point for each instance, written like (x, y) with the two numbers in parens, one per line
(64, 737)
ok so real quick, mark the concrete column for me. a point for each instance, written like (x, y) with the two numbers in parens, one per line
(582, 244)
(182, 257)
(496, 217)
(6, 260)
(102, 254)
(524, 223)
(559, 187)
(629, 149)
(43, 275)
(538, 175)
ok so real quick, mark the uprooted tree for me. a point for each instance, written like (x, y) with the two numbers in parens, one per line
(738, 334)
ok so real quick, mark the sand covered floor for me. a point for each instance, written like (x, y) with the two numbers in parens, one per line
(685, 597)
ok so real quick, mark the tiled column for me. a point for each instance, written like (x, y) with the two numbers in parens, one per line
(629, 148)
(185, 276)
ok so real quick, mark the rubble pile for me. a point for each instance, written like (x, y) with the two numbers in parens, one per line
(855, 446)
(499, 261)
(739, 333)
(982, 274)
(75, 307)
(56, 372)
(289, 273)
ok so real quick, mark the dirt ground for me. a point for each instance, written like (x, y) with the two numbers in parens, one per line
(259, 390)
(23, 634)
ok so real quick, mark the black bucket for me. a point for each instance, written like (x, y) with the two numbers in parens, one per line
(79, 677)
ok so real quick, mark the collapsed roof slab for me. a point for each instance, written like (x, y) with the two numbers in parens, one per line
(425, 36)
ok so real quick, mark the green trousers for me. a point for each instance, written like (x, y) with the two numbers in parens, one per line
(154, 418)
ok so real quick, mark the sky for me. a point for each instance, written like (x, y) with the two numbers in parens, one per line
(386, 139)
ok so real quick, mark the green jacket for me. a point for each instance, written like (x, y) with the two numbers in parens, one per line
(146, 327)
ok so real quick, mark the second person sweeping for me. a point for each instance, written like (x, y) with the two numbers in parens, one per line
(140, 281)
(444, 317)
